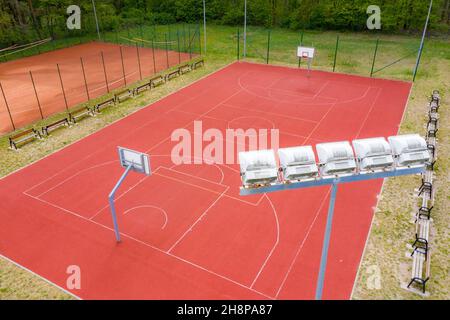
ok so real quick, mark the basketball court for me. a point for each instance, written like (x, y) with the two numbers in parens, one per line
(186, 232)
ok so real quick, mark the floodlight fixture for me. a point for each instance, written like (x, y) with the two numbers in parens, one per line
(373, 154)
(409, 150)
(409, 154)
(298, 163)
(336, 158)
(258, 168)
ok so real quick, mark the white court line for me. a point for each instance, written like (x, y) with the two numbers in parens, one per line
(368, 113)
(152, 247)
(250, 117)
(321, 89)
(269, 113)
(331, 108)
(213, 182)
(40, 277)
(117, 121)
(190, 184)
(372, 222)
(73, 176)
(197, 221)
(302, 244)
(166, 217)
(278, 100)
(274, 246)
(198, 117)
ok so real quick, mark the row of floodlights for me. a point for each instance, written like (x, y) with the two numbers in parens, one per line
(335, 159)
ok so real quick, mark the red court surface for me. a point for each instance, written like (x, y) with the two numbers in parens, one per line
(187, 234)
(16, 80)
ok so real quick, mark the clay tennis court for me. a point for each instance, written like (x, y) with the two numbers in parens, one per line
(186, 232)
(18, 86)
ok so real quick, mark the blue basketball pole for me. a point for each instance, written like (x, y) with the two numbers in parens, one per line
(333, 182)
(326, 243)
(111, 202)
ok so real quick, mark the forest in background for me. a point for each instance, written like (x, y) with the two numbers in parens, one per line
(22, 20)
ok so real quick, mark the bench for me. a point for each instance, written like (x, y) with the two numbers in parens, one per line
(172, 75)
(102, 105)
(418, 268)
(436, 97)
(427, 184)
(55, 125)
(80, 113)
(432, 149)
(433, 117)
(185, 69)
(123, 95)
(422, 234)
(424, 212)
(432, 130)
(23, 138)
(142, 88)
(156, 81)
(434, 106)
(197, 64)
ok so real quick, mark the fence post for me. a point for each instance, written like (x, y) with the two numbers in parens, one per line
(374, 58)
(268, 47)
(335, 53)
(7, 107)
(179, 49)
(301, 45)
(199, 39)
(139, 60)
(184, 37)
(153, 50)
(104, 70)
(238, 43)
(62, 86)
(36, 94)
(123, 67)
(189, 42)
(84, 77)
(142, 34)
(167, 51)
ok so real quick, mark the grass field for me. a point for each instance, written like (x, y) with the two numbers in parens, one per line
(392, 229)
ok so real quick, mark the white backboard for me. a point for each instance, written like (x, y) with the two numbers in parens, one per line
(139, 161)
(305, 52)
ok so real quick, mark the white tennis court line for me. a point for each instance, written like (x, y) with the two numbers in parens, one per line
(302, 243)
(152, 247)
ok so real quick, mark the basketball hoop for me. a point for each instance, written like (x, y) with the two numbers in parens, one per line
(306, 53)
